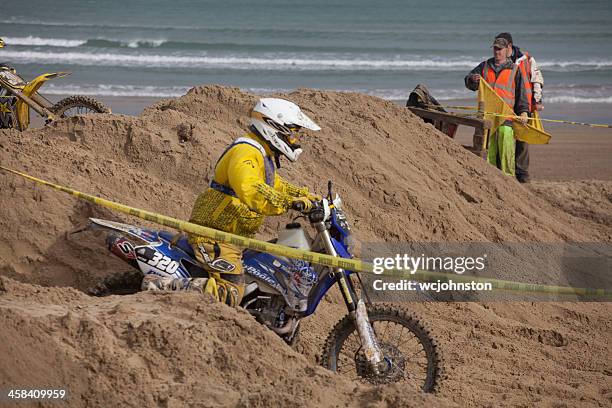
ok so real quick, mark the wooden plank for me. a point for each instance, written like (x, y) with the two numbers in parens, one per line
(450, 118)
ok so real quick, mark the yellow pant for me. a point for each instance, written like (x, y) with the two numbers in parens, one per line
(223, 262)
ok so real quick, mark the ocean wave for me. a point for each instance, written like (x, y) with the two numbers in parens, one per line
(116, 90)
(268, 61)
(231, 62)
(170, 45)
(94, 42)
(37, 41)
(578, 99)
(139, 90)
(176, 91)
(135, 43)
(572, 65)
(443, 95)
(272, 62)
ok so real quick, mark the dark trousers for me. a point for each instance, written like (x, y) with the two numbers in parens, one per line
(522, 160)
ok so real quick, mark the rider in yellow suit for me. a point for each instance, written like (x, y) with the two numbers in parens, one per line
(244, 189)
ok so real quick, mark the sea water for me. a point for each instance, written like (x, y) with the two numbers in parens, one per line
(154, 48)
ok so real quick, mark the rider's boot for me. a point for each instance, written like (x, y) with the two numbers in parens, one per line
(154, 282)
(219, 290)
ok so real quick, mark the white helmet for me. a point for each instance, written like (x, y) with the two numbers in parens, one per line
(278, 122)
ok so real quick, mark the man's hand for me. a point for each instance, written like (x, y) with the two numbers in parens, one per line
(539, 107)
(475, 78)
(301, 204)
(524, 118)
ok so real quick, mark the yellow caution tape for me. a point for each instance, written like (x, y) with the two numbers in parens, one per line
(477, 112)
(314, 257)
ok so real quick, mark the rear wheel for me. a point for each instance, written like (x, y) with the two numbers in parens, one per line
(410, 353)
(78, 105)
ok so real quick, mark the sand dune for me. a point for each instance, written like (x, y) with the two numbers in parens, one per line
(401, 180)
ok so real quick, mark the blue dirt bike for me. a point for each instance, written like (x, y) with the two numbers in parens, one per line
(375, 343)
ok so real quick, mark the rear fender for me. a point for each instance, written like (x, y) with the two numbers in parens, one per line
(35, 84)
(145, 235)
(23, 110)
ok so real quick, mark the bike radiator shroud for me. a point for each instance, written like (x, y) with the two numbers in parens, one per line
(290, 277)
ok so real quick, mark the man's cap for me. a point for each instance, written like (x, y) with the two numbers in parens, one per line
(500, 43)
(505, 36)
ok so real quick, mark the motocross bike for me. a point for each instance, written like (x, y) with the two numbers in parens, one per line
(17, 97)
(374, 343)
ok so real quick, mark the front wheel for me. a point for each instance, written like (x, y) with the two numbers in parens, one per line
(78, 105)
(410, 353)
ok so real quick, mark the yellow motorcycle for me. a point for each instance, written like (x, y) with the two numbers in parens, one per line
(18, 96)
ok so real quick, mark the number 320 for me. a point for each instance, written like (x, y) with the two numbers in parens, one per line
(163, 263)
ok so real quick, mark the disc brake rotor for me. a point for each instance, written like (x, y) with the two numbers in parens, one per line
(394, 371)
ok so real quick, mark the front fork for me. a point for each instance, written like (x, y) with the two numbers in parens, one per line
(356, 306)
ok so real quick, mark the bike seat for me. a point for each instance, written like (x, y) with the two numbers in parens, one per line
(181, 244)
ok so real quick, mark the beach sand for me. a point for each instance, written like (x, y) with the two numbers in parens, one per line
(401, 181)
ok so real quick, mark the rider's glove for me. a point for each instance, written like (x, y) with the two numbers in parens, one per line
(302, 204)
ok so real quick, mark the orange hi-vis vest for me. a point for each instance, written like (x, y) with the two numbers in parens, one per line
(524, 64)
(503, 84)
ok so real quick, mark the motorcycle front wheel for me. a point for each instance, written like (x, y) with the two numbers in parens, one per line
(78, 105)
(410, 353)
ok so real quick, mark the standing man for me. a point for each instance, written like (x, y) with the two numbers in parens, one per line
(508, 82)
(534, 82)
